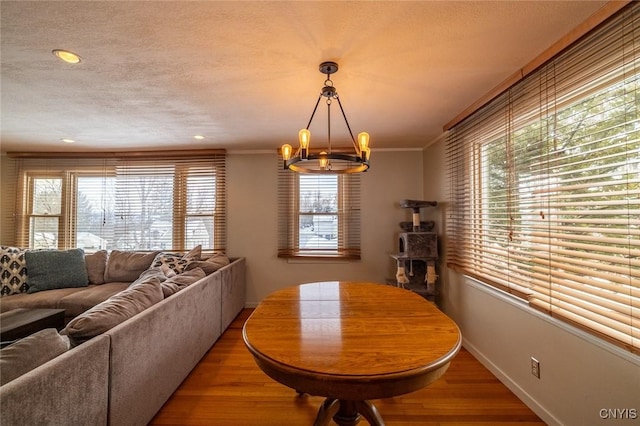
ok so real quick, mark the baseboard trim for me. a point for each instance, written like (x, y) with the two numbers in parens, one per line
(513, 386)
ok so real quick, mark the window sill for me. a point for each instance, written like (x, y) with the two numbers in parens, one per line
(318, 257)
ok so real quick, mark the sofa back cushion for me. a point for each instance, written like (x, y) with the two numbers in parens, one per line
(96, 265)
(126, 266)
(51, 269)
(210, 265)
(118, 308)
(31, 352)
(178, 282)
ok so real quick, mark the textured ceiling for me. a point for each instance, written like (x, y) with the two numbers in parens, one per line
(245, 74)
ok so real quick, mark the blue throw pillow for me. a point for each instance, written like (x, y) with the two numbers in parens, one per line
(50, 269)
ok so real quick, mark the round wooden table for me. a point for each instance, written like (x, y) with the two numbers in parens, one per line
(350, 342)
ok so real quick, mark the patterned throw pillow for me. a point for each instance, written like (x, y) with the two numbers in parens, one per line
(13, 271)
(176, 262)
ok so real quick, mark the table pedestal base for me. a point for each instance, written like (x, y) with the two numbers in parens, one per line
(347, 413)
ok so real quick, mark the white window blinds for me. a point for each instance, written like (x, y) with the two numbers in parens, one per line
(545, 185)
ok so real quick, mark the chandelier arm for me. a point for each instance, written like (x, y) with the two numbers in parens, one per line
(355, 145)
(329, 125)
(314, 112)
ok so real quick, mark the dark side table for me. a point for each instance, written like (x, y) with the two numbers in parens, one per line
(19, 323)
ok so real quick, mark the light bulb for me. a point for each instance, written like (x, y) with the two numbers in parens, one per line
(286, 150)
(305, 137)
(324, 161)
(363, 140)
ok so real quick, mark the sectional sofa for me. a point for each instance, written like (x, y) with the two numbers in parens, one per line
(123, 375)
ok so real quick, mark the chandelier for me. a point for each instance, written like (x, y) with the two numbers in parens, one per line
(327, 160)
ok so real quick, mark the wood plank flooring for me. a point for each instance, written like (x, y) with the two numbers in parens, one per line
(227, 388)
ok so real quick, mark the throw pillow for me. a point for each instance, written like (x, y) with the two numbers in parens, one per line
(96, 265)
(176, 262)
(13, 271)
(113, 311)
(26, 354)
(126, 266)
(195, 253)
(178, 282)
(150, 273)
(50, 269)
(212, 264)
(168, 272)
(219, 259)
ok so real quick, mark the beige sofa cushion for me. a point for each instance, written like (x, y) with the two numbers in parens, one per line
(31, 352)
(115, 310)
(76, 303)
(178, 282)
(211, 264)
(96, 265)
(158, 273)
(42, 299)
(126, 266)
(195, 253)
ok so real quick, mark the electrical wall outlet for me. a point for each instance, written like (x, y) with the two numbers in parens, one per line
(535, 367)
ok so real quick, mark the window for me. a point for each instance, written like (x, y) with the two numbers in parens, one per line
(318, 212)
(123, 203)
(45, 211)
(319, 215)
(545, 186)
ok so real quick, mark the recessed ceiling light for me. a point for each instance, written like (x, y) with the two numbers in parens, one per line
(199, 137)
(67, 140)
(66, 56)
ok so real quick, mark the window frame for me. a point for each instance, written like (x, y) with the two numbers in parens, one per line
(29, 203)
(74, 167)
(289, 214)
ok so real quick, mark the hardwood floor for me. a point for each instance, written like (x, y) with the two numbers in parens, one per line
(227, 388)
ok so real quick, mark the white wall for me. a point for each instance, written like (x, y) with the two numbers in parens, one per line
(252, 221)
(580, 375)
